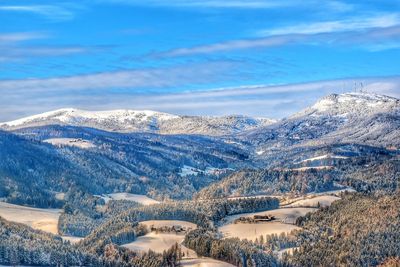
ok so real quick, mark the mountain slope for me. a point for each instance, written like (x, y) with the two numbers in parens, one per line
(356, 231)
(32, 171)
(140, 121)
(352, 118)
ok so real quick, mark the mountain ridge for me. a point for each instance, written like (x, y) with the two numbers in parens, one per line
(124, 120)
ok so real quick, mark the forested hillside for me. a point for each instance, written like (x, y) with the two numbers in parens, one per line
(359, 230)
(365, 174)
(107, 183)
(137, 163)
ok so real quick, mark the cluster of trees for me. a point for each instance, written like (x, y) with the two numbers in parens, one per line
(377, 173)
(270, 181)
(233, 250)
(124, 228)
(84, 212)
(360, 230)
(275, 242)
(21, 245)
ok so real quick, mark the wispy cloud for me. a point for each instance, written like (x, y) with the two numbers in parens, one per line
(8, 38)
(260, 100)
(13, 47)
(13, 53)
(354, 24)
(365, 31)
(53, 12)
(230, 45)
(145, 78)
(238, 4)
(206, 3)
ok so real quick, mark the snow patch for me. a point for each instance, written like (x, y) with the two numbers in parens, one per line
(327, 156)
(77, 142)
(189, 170)
(41, 219)
(142, 199)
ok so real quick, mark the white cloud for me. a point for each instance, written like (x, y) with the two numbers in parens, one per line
(49, 11)
(147, 78)
(261, 100)
(354, 24)
(230, 45)
(374, 34)
(331, 5)
(207, 3)
(7, 38)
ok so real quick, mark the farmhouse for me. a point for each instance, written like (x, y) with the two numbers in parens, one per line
(255, 219)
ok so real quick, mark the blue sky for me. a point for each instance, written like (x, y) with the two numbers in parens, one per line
(210, 57)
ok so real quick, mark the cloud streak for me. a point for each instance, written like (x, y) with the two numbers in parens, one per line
(147, 78)
(260, 100)
(249, 4)
(7, 38)
(364, 32)
(52, 12)
(354, 24)
(338, 6)
(230, 45)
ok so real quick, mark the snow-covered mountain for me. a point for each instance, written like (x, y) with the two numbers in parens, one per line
(351, 104)
(140, 121)
(351, 118)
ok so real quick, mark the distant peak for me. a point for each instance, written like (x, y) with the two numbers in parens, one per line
(351, 103)
(366, 96)
(126, 120)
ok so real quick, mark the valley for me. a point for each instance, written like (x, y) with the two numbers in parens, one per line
(131, 188)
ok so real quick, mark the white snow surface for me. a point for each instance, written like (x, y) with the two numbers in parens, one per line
(325, 157)
(77, 142)
(159, 242)
(41, 219)
(344, 105)
(204, 262)
(75, 116)
(124, 120)
(142, 199)
(323, 200)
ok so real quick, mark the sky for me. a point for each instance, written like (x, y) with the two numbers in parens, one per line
(265, 58)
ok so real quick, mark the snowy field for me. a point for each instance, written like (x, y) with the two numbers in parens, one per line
(142, 199)
(252, 231)
(189, 170)
(324, 201)
(327, 156)
(204, 262)
(41, 219)
(85, 144)
(156, 242)
(284, 223)
(161, 241)
(284, 215)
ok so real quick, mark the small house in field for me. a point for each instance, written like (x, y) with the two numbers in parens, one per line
(263, 218)
(178, 228)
